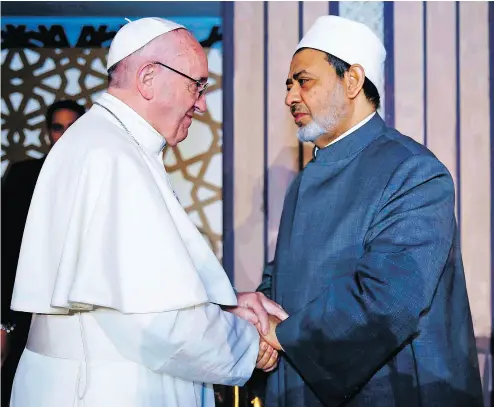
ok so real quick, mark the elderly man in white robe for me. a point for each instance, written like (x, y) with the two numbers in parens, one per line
(129, 301)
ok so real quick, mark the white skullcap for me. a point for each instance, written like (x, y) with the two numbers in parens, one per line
(135, 35)
(352, 42)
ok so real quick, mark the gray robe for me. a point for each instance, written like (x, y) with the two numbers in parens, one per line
(368, 266)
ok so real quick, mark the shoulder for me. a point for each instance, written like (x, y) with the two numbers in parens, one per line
(23, 169)
(395, 152)
(396, 164)
(414, 168)
(94, 139)
(393, 143)
(95, 130)
(26, 165)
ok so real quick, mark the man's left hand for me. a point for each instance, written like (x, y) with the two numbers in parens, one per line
(267, 360)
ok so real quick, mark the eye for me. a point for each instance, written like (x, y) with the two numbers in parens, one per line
(302, 81)
(193, 87)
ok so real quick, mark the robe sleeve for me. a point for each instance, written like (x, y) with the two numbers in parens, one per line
(266, 284)
(341, 338)
(201, 343)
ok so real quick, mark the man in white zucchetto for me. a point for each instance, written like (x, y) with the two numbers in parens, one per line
(129, 301)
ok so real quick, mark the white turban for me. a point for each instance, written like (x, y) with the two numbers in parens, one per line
(135, 35)
(352, 42)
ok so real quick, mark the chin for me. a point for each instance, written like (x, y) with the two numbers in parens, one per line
(310, 132)
(182, 136)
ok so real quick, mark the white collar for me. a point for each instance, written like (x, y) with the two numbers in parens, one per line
(145, 134)
(348, 132)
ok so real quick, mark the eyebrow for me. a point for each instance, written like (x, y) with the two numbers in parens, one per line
(296, 75)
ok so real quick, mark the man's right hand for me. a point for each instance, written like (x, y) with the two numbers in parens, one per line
(255, 308)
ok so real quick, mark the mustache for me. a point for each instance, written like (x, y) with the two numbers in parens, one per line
(296, 109)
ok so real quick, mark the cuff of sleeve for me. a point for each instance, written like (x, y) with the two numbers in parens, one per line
(286, 335)
(298, 350)
(250, 339)
(278, 337)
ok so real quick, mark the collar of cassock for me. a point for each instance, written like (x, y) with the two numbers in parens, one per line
(141, 130)
(352, 143)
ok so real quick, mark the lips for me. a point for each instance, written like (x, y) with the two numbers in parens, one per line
(298, 116)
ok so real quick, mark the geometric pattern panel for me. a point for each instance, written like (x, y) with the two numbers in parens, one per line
(370, 13)
(195, 165)
(33, 79)
(34, 76)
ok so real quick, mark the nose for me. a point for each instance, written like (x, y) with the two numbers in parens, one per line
(200, 105)
(292, 96)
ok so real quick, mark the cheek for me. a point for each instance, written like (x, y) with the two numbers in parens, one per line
(183, 103)
(184, 99)
(55, 135)
(314, 101)
(321, 102)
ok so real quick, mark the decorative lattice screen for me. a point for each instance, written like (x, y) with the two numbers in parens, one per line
(41, 65)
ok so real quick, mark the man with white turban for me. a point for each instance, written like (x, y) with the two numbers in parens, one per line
(368, 262)
(125, 292)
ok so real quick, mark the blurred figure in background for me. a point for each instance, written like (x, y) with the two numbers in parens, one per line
(17, 190)
(60, 116)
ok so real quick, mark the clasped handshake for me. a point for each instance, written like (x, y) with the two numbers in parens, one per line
(265, 315)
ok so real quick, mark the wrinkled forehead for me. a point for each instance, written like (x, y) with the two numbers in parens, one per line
(181, 50)
(199, 61)
(309, 60)
(192, 58)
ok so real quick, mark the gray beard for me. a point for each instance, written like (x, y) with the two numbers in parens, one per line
(315, 129)
(310, 132)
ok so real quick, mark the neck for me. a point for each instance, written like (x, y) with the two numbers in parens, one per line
(136, 104)
(126, 97)
(346, 124)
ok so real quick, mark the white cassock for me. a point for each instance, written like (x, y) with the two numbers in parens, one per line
(123, 287)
